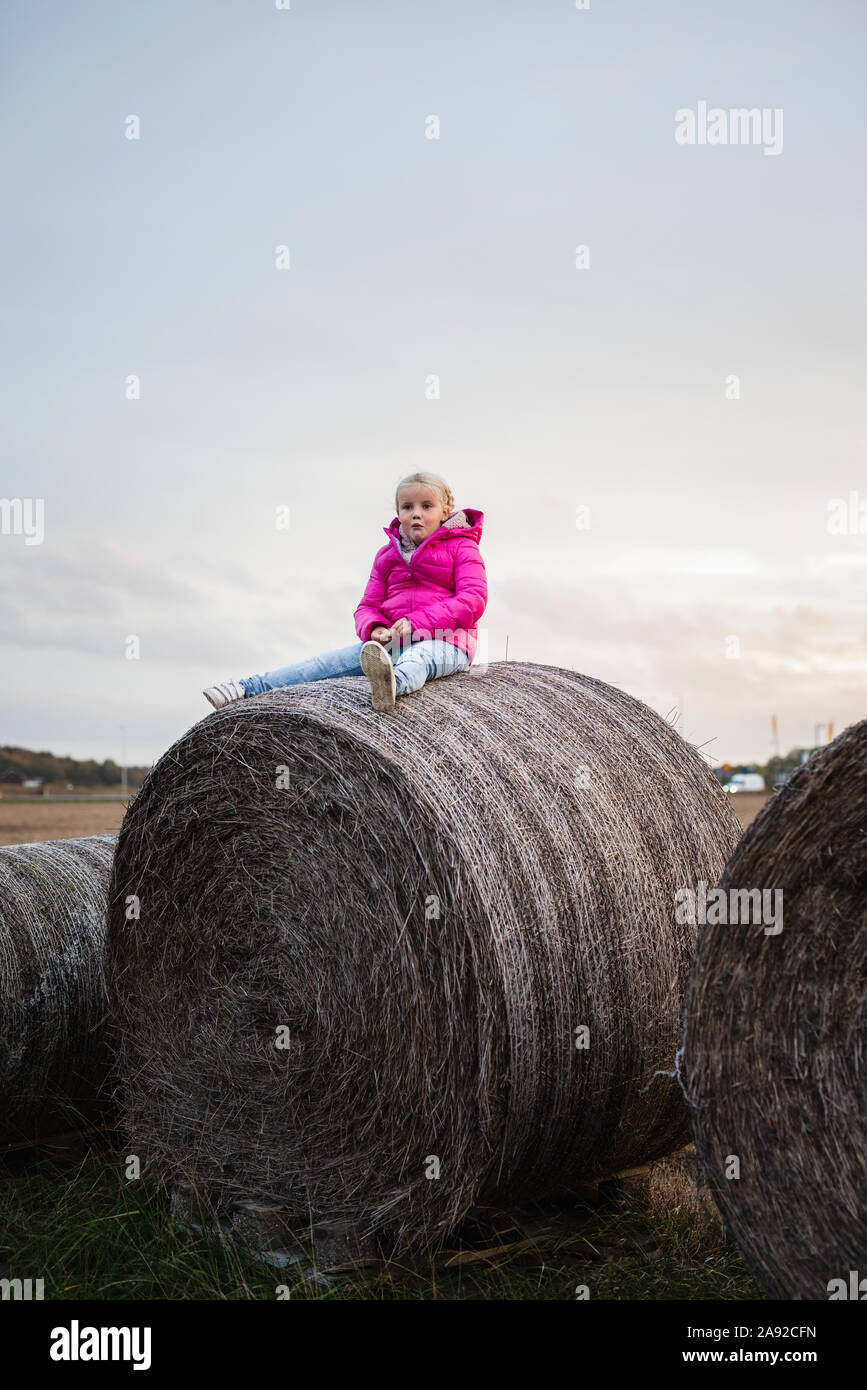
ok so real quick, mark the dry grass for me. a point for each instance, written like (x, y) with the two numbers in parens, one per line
(676, 1186)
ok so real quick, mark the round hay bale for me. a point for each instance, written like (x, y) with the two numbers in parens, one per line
(427, 908)
(676, 1186)
(55, 1054)
(774, 1044)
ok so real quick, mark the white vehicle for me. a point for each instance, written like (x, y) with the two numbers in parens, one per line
(746, 782)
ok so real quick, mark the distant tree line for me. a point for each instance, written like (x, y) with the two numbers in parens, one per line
(788, 764)
(54, 769)
(772, 770)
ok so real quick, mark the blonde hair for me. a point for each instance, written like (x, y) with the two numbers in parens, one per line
(433, 480)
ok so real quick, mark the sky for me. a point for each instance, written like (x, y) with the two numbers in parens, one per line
(665, 431)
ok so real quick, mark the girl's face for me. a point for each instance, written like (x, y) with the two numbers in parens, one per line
(420, 510)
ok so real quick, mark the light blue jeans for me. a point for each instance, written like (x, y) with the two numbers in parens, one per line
(414, 663)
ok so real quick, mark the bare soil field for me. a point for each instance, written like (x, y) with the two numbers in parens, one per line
(65, 820)
(747, 806)
(23, 822)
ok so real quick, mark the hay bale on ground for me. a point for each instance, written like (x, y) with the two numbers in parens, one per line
(430, 905)
(676, 1185)
(774, 1044)
(55, 1053)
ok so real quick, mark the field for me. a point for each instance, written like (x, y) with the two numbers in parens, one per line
(747, 806)
(25, 821)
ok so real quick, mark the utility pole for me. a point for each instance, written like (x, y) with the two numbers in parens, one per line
(507, 646)
(124, 790)
(775, 736)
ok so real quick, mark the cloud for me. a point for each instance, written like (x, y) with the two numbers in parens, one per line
(183, 610)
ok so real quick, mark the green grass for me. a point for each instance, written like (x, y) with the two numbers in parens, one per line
(91, 1234)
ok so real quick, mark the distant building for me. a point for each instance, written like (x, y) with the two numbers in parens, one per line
(16, 779)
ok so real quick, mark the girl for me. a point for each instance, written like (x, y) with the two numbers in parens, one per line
(426, 592)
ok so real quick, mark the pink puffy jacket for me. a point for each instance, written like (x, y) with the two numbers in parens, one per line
(443, 590)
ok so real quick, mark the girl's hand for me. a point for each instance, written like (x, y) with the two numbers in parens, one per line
(402, 628)
(380, 634)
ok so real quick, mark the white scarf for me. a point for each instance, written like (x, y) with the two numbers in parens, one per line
(408, 545)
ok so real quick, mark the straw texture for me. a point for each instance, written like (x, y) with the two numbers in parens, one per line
(430, 903)
(774, 1043)
(54, 1050)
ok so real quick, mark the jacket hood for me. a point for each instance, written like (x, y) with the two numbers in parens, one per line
(464, 520)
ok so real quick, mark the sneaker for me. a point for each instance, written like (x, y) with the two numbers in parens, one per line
(225, 694)
(379, 669)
